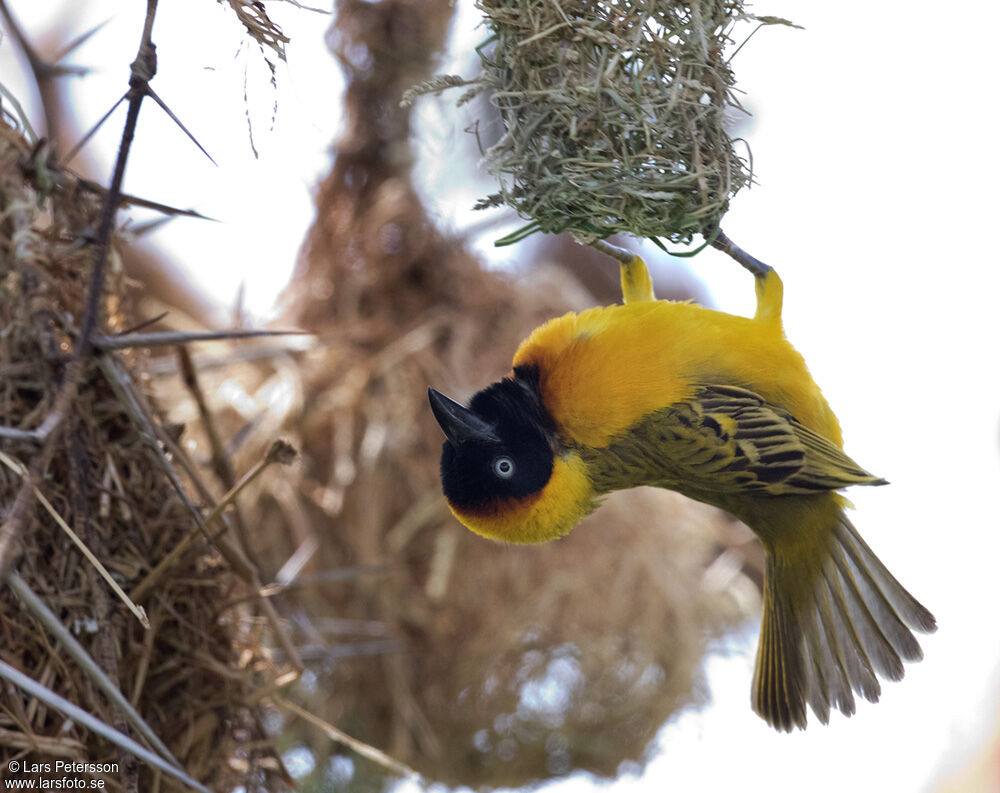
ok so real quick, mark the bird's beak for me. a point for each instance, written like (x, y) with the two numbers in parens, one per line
(458, 422)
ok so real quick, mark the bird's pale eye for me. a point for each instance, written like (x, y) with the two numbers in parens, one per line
(503, 467)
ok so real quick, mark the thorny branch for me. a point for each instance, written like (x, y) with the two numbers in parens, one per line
(43, 71)
(143, 69)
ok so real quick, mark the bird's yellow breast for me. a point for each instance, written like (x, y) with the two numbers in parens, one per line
(601, 371)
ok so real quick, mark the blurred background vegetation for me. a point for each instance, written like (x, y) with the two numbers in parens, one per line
(474, 664)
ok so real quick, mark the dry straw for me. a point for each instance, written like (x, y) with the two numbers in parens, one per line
(167, 685)
(614, 114)
(182, 680)
(132, 629)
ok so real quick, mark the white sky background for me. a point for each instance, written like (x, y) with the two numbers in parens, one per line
(205, 63)
(874, 146)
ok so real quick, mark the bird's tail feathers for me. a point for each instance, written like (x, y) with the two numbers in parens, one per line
(828, 628)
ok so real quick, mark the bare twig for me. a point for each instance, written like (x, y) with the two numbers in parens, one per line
(137, 610)
(279, 452)
(363, 749)
(143, 69)
(14, 434)
(42, 744)
(143, 667)
(42, 71)
(40, 168)
(221, 463)
(335, 576)
(127, 199)
(173, 338)
(105, 648)
(290, 570)
(13, 526)
(163, 366)
(94, 724)
(36, 606)
(158, 440)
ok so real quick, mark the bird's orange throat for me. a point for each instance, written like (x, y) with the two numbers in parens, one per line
(546, 515)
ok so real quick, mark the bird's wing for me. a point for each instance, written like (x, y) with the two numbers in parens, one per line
(728, 439)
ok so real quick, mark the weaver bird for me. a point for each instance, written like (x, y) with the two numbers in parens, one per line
(722, 409)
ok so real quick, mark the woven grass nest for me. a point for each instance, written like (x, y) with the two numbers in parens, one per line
(193, 673)
(614, 114)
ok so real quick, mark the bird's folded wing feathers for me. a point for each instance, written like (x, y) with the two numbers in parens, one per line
(729, 439)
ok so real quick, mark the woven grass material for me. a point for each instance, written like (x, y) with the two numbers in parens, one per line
(614, 114)
(193, 674)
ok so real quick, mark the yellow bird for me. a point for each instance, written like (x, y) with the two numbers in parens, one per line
(722, 409)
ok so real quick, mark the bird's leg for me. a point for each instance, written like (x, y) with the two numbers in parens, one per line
(768, 286)
(726, 245)
(637, 286)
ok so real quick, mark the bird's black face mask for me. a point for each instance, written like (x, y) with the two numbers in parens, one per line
(499, 447)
